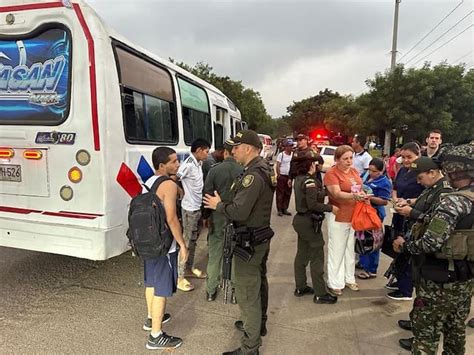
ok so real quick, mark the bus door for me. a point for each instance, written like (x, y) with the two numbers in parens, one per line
(221, 118)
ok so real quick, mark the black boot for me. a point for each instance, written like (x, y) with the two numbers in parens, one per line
(286, 213)
(406, 344)
(471, 323)
(239, 352)
(299, 292)
(325, 299)
(405, 324)
(211, 296)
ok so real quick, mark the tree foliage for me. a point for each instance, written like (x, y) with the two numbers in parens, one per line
(417, 100)
(310, 113)
(408, 101)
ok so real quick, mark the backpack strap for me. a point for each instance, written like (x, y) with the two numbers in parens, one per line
(157, 183)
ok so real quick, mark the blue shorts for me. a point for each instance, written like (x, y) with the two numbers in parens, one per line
(162, 274)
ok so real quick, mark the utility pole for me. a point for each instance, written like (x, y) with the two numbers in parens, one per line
(393, 63)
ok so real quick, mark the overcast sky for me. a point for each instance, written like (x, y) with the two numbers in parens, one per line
(290, 49)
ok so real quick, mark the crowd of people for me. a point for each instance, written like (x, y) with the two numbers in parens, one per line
(238, 188)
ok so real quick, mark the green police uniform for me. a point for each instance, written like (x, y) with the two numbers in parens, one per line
(443, 298)
(220, 178)
(251, 207)
(309, 200)
(300, 156)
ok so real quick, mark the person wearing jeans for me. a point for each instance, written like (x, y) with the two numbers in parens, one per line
(405, 188)
(381, 188)
(344, 187)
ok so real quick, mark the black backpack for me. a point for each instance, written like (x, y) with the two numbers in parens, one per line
(148, 232)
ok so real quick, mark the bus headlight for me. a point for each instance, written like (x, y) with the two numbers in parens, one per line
(66, 193)
(75, 174)
(83, 157)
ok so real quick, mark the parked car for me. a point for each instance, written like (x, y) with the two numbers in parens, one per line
(267, 150)
(327, 153)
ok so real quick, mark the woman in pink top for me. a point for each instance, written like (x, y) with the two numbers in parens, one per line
(344, 187)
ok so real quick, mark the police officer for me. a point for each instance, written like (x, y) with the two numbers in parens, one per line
(220, 179)
(250, 210)
(304, 152)
(429, 175)
(310, 207)
(443, 297)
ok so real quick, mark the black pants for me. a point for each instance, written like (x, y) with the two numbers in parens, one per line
(283, 192)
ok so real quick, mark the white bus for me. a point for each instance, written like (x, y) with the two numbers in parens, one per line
(81, 110)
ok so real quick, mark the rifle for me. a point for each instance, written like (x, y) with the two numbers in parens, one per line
(229, 239)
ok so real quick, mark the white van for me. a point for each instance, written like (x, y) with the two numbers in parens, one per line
(267, 150)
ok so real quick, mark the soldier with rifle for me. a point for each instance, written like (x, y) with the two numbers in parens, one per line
(445, 245)
(250, 211)
(220, 179)
(429, 175)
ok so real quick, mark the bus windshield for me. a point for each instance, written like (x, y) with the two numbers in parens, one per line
(35, 77)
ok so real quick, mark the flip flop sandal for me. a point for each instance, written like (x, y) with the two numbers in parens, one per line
(363, 275)
(199, 273)
(185, 286)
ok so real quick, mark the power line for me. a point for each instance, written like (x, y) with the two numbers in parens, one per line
(441, 36)
(445, 43)
(434, 28)
(462, 57)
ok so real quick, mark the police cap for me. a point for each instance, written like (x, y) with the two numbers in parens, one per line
(247, 137)
(423, 164)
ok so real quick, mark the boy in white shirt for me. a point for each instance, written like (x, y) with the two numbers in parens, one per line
(190, 175)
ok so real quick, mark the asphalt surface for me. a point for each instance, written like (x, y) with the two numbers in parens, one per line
(57, 304)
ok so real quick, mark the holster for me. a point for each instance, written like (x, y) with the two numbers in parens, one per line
(317, 220)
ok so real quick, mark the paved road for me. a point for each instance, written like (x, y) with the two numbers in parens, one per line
(57, 304)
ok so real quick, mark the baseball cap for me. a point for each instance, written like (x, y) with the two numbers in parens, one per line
(423, 164)
(302, 136)
(247, 137)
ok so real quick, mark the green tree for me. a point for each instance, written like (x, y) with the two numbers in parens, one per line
(307, 114)
(342, 115)
(413, 101)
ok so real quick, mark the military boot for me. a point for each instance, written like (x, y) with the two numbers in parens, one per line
(406, 344)
(239, 352)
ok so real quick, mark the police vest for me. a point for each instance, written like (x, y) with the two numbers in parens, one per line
(460, 244)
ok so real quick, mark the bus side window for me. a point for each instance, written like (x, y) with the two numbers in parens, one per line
(148, 101)
(196, 112)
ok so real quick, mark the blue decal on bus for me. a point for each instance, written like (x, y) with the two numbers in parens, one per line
(34, 78)
(144, 169)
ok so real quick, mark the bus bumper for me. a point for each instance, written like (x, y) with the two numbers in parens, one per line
(80, 242)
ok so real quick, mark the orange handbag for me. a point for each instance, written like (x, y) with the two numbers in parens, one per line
(365, 217)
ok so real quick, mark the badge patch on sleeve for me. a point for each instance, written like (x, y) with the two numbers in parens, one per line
(438, 226)
(247, 181)
(310, 183)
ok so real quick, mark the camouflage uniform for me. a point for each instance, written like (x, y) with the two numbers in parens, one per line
(443, 297)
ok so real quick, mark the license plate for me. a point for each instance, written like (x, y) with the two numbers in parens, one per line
(9, 172)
